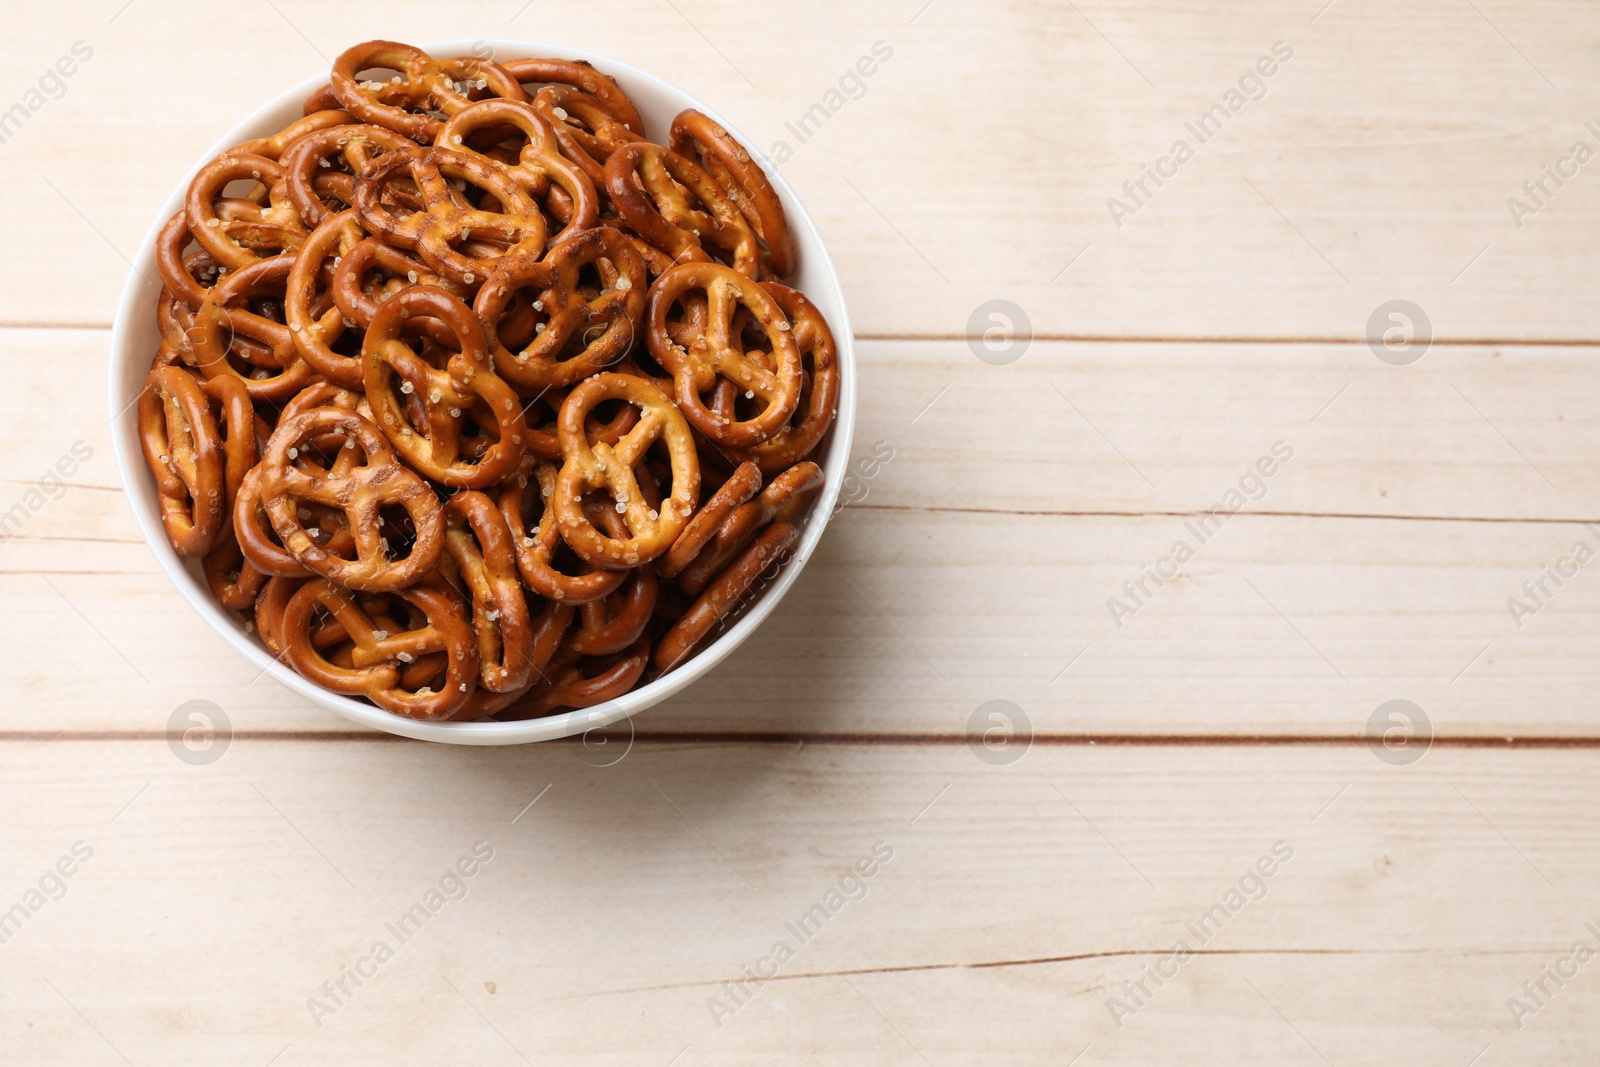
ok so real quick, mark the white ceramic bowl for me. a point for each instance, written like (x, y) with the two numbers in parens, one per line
(134, 338)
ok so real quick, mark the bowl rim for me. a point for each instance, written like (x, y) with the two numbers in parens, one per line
(139, 487)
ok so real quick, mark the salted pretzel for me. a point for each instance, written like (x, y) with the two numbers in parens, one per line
(780, 501)
(675, 206)
(819, 401)
(719, 353)
(274, 145)
(378, 656)
(259, 542)
(227, 333)
(704, 140)
(183, 449)
(186, 277)
(270, 602)
(583, 330)
(310, 159)
(373, 480)
(422, 85)
(479, 544)
(536, 541)
(549, 628)
(580, 75)
(610, 624)
(577, 681)
(372, 271)
(540, 163)
(587, 131)
(723, 594)
(232, 579)
(237, 231)
(589, 467)
(742, 484)
(466, 391)
(315, 320)
(446, 218)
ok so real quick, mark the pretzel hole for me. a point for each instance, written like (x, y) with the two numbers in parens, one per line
(609, 420)
(521, 321)
(399, 532)
(382, 74)
(268, 307)
(243, 189)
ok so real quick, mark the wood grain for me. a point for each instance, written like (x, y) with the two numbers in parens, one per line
(619, 903)
(1380, 563)
(1362, 175)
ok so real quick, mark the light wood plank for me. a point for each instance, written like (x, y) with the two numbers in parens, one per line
(908, 622)
(220, 898)
(1470, 432)
(932, 595)
(1361, 176)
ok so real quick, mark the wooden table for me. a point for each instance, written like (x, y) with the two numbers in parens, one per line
(1204, 768)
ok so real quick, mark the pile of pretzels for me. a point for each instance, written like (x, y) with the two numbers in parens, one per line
(473, 401)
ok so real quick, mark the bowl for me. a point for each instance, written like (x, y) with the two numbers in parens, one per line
(134, 338)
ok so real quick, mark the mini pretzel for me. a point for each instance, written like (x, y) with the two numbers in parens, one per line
(372, 271)
(467, 388)
(725, 159)
(587, 131)
(723, 594)
(235, 231)
(799, 437)
(316, 324)
(424, 84)
(536, 550)
(360, 492)
(718, 352)
(539, 160)
(446, 218)
(225, 327)
(274, 146)
(652, 188)
(780, 501)
(580, 75)
(612, 623)
(321, 100)
(589, 467)
(743, 484)
(601, 325)
(270, 603)
(259, 542)
(480, 545)
(230, 577)
(178, 272)
(570, 686)
(549, 627)
(379, 656)
(309, 158)
(183, 449)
